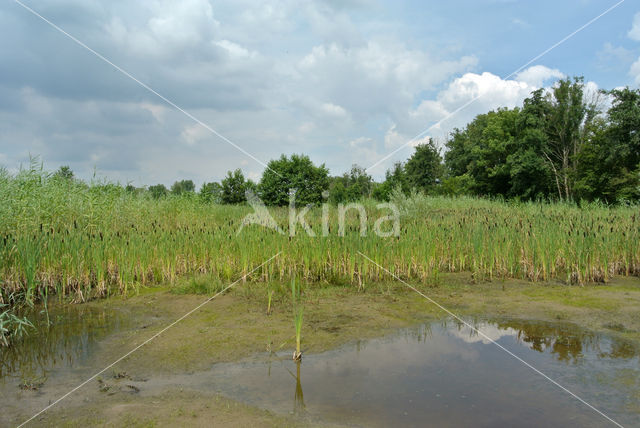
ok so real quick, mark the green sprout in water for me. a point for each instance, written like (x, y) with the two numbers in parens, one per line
(297, 317)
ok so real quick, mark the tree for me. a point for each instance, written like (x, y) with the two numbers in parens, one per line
(252, 186)
(158, 191)
(424, 167)
(211, 192)
(624, 131)
(130, 188)
(295, 173)
(395, 178)
(531, 175)
(338, 190)
(567, 114)
(481, 153)
(233, 188)
(64, 173)
(609, 162)
(351, 186)
(183, 187)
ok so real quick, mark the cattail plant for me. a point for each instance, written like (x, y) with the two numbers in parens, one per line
(296, 300)
(96, 239)
(269, 296)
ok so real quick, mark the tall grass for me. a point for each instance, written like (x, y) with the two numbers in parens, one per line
(85, 240)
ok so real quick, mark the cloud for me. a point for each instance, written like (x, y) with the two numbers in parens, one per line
(191, 134)
(634, 33)
(539, 74)
(614, 58)
(169, 29)
(634, 71)
(339, 81)
(484, 91)
(376, 78)
(458, 103)
(235, 49)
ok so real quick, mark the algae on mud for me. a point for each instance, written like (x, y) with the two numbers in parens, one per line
(235, 326)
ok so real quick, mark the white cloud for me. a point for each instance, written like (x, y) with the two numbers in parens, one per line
(490, 89)
(459, 102)
(272, 76)
(158, 111)
(634, 33)
(377, 77)
(192, 134)
(611, 56)
(235, 49)
(169, 28)
(334, 110)
(539, 74)
(482, 92)
(392, 138)
(635, 71)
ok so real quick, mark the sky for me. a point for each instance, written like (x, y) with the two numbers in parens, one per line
(344, 82)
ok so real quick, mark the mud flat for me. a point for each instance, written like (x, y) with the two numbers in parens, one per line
(371, 357)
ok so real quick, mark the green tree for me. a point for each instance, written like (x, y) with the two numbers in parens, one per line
(424, 167)
(609, 162)
(395, 178)
(531, 175)
(64, 173)
(158, 191)
(351, 186)
(359, 183)
(211, 192)
(296, 172)
(568, 116)
(182, 187)
(338, 190)
(481, 153)
(233, 188)
(252, 186)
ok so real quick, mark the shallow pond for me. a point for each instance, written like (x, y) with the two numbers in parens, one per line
(440, 374)
(444, 374)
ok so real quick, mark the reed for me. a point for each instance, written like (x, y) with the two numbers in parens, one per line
(11, 326)
(269, 297)
(296, 300)
(82, 241)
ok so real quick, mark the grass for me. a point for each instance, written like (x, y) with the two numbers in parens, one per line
(80, 241)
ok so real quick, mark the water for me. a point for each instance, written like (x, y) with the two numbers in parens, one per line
(439, 374)
(65, 337)
(444, 374)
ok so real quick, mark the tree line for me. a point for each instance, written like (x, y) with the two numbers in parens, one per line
(559, 146)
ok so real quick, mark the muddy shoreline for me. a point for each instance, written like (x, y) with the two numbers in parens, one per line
(235, 326)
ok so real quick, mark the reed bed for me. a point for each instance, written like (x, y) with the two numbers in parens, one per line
(85, 240)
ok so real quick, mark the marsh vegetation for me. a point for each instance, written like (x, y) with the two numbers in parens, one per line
(79, 241)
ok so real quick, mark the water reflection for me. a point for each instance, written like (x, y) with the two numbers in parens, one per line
(445, 373)
(441, 373)
(564, 341)
(298, 397)
(63, 337)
